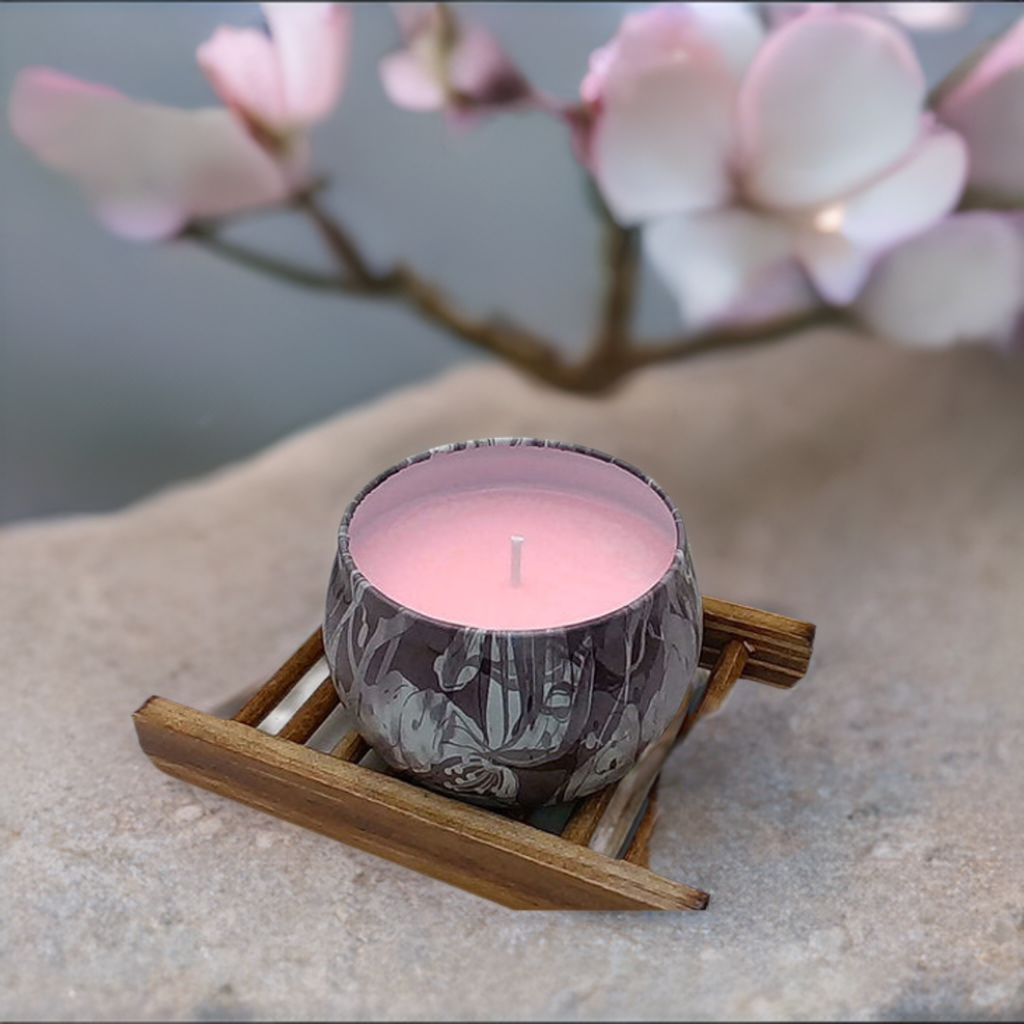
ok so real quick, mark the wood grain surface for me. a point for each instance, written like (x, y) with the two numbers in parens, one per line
(506, 861)
(492, 855)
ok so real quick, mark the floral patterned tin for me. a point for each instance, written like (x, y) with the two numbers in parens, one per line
(433, 697)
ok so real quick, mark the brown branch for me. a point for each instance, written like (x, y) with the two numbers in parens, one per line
(735, 336)
(982, 199)
(514, 343)
(612, 356)
(520, 346)
(622, 251)
(273, 266)
(342, 247)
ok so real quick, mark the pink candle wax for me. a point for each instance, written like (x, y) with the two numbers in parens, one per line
(440, 537)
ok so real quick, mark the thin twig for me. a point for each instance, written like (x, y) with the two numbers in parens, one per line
(735, 336)
(342, 247)
(266, 264)
(613, 339)
(621, 253)
(517, 344)
(982, 199)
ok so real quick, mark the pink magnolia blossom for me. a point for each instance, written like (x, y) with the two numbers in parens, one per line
(281, 83)
(146, 169)
(926, 17)
(745, 161)
(149, 169)
(987, 108)
(962, 280)
(945, 16)
(448, 65)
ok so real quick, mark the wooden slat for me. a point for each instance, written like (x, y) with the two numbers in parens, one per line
(631, 791)
(782, 650)
(313, 713)
(583, 820)
(283, 681)
(780, 647)
(487, 854)
(351, 747)
(639, 849)
(627, 794)
(730, 666)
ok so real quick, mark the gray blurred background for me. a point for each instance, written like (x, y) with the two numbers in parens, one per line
(126, 367)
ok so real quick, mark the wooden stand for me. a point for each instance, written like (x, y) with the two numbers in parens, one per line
(485, 852)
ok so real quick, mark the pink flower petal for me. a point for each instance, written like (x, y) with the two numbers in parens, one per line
(662, 141)
(408, 83)
(713, 261)
(918, 192)
(918, 16)
(662, 93)
(839, 245)
(837, 267)
(481, 70)
(963, 280)
(474, 66)
(987, 108)
(830, 101)
(726, 34)
(242, 66)
(312, 43)
(148, 169)
(734, 29)
(781, 290)
(929, 17)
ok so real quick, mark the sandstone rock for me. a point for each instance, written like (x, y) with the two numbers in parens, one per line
(862, 836)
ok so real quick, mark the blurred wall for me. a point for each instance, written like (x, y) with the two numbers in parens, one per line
(124, 367)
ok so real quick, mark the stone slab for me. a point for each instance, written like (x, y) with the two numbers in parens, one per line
(862, 836)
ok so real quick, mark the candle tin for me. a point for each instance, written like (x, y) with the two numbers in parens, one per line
(515, 718)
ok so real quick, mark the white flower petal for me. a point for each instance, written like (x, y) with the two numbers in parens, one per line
(727, 34)
(148, 169)
(830, 101)
(987, 108)
(781, 290)
(837, 267)
(839, 246)
(917, 16)
(242, 67)
(408, 83)
(963, 280)
(662, 140)
(312, 44)
(734, 29)
(712, 261)
(928, 17)
(920, 191)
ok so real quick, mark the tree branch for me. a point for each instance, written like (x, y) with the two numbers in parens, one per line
(621, 252)
(980, 199)
(265, 264)
(736, 336)
(611, 358)
(341, 246)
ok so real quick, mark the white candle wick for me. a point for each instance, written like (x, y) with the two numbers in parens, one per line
(516, 565)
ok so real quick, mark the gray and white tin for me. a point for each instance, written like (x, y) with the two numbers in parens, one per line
(519, 718)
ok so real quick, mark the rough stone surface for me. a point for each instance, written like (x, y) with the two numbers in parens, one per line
(862, 836)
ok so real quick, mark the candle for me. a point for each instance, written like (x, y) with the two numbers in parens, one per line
(513, 620)
(448, 555)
